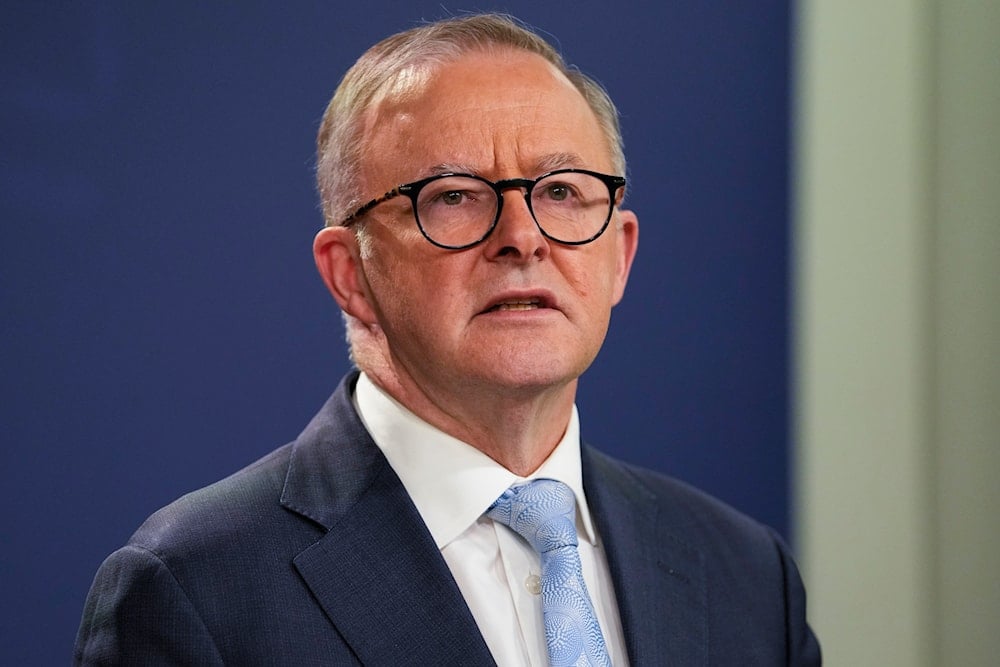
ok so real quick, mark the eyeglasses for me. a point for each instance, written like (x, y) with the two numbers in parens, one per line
(457, 211)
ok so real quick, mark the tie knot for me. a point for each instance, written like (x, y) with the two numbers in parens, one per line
(542, 511)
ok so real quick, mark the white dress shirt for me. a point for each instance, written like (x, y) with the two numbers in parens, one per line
(452, 484)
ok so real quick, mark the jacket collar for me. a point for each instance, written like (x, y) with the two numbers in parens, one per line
(376, 572)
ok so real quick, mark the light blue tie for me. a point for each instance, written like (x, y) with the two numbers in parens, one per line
(544, 513)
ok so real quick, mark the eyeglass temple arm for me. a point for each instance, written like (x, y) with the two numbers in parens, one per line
(395, 192)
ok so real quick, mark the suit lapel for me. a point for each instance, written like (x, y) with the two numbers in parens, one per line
(376, 573)
(659, 580)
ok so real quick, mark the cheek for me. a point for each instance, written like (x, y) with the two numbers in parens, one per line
(592, 279)
(413, 291)
(386, 280)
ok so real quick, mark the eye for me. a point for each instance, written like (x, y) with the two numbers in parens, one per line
(454, 192)
(557, 192)
(452, 197)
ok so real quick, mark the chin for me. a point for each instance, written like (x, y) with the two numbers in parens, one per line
(529, 363)
(534, 375)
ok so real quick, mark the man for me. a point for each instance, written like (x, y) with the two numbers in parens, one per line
(476, 291)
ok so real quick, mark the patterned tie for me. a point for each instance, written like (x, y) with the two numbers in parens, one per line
(544, 513)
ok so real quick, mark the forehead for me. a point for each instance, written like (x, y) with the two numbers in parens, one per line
(484, 112)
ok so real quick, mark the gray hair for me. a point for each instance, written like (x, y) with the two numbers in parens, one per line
(399, 62)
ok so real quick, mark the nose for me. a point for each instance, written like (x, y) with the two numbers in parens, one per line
(517, 235)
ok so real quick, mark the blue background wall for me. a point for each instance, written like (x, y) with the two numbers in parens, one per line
(162, 323)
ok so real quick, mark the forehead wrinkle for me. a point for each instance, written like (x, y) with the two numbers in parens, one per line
(494, 136)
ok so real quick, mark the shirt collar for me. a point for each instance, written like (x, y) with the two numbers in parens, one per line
(451, 482)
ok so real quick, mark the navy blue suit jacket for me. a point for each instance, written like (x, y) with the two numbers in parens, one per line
(315, 555)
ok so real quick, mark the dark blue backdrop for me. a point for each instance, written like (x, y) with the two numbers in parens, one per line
(162, 321)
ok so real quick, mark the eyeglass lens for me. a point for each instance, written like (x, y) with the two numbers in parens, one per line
(459, 210)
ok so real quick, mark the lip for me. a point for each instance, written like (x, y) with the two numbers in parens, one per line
(541, 299)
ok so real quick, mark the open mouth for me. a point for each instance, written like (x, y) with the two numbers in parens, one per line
(516, 304)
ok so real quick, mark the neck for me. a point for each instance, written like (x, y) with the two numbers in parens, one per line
(516, 427)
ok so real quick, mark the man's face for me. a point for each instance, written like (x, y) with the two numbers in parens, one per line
(447, 315)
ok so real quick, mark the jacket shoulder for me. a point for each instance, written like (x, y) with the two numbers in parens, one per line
(236, 515)
(738, 570)
(679, 504)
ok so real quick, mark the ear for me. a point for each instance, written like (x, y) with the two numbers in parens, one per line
(627, 231)
(338, 259)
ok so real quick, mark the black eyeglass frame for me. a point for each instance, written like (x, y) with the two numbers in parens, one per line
(412, 190)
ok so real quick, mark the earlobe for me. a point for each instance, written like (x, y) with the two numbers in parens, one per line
(338, 259)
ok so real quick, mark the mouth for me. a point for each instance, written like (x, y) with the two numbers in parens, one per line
(516, 304)
(523, 302)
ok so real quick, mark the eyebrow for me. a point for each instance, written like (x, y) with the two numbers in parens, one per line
(544, 164)
(559, 161)
(450, 168)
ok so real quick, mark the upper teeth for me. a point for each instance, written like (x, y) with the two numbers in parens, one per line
(526, 304)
